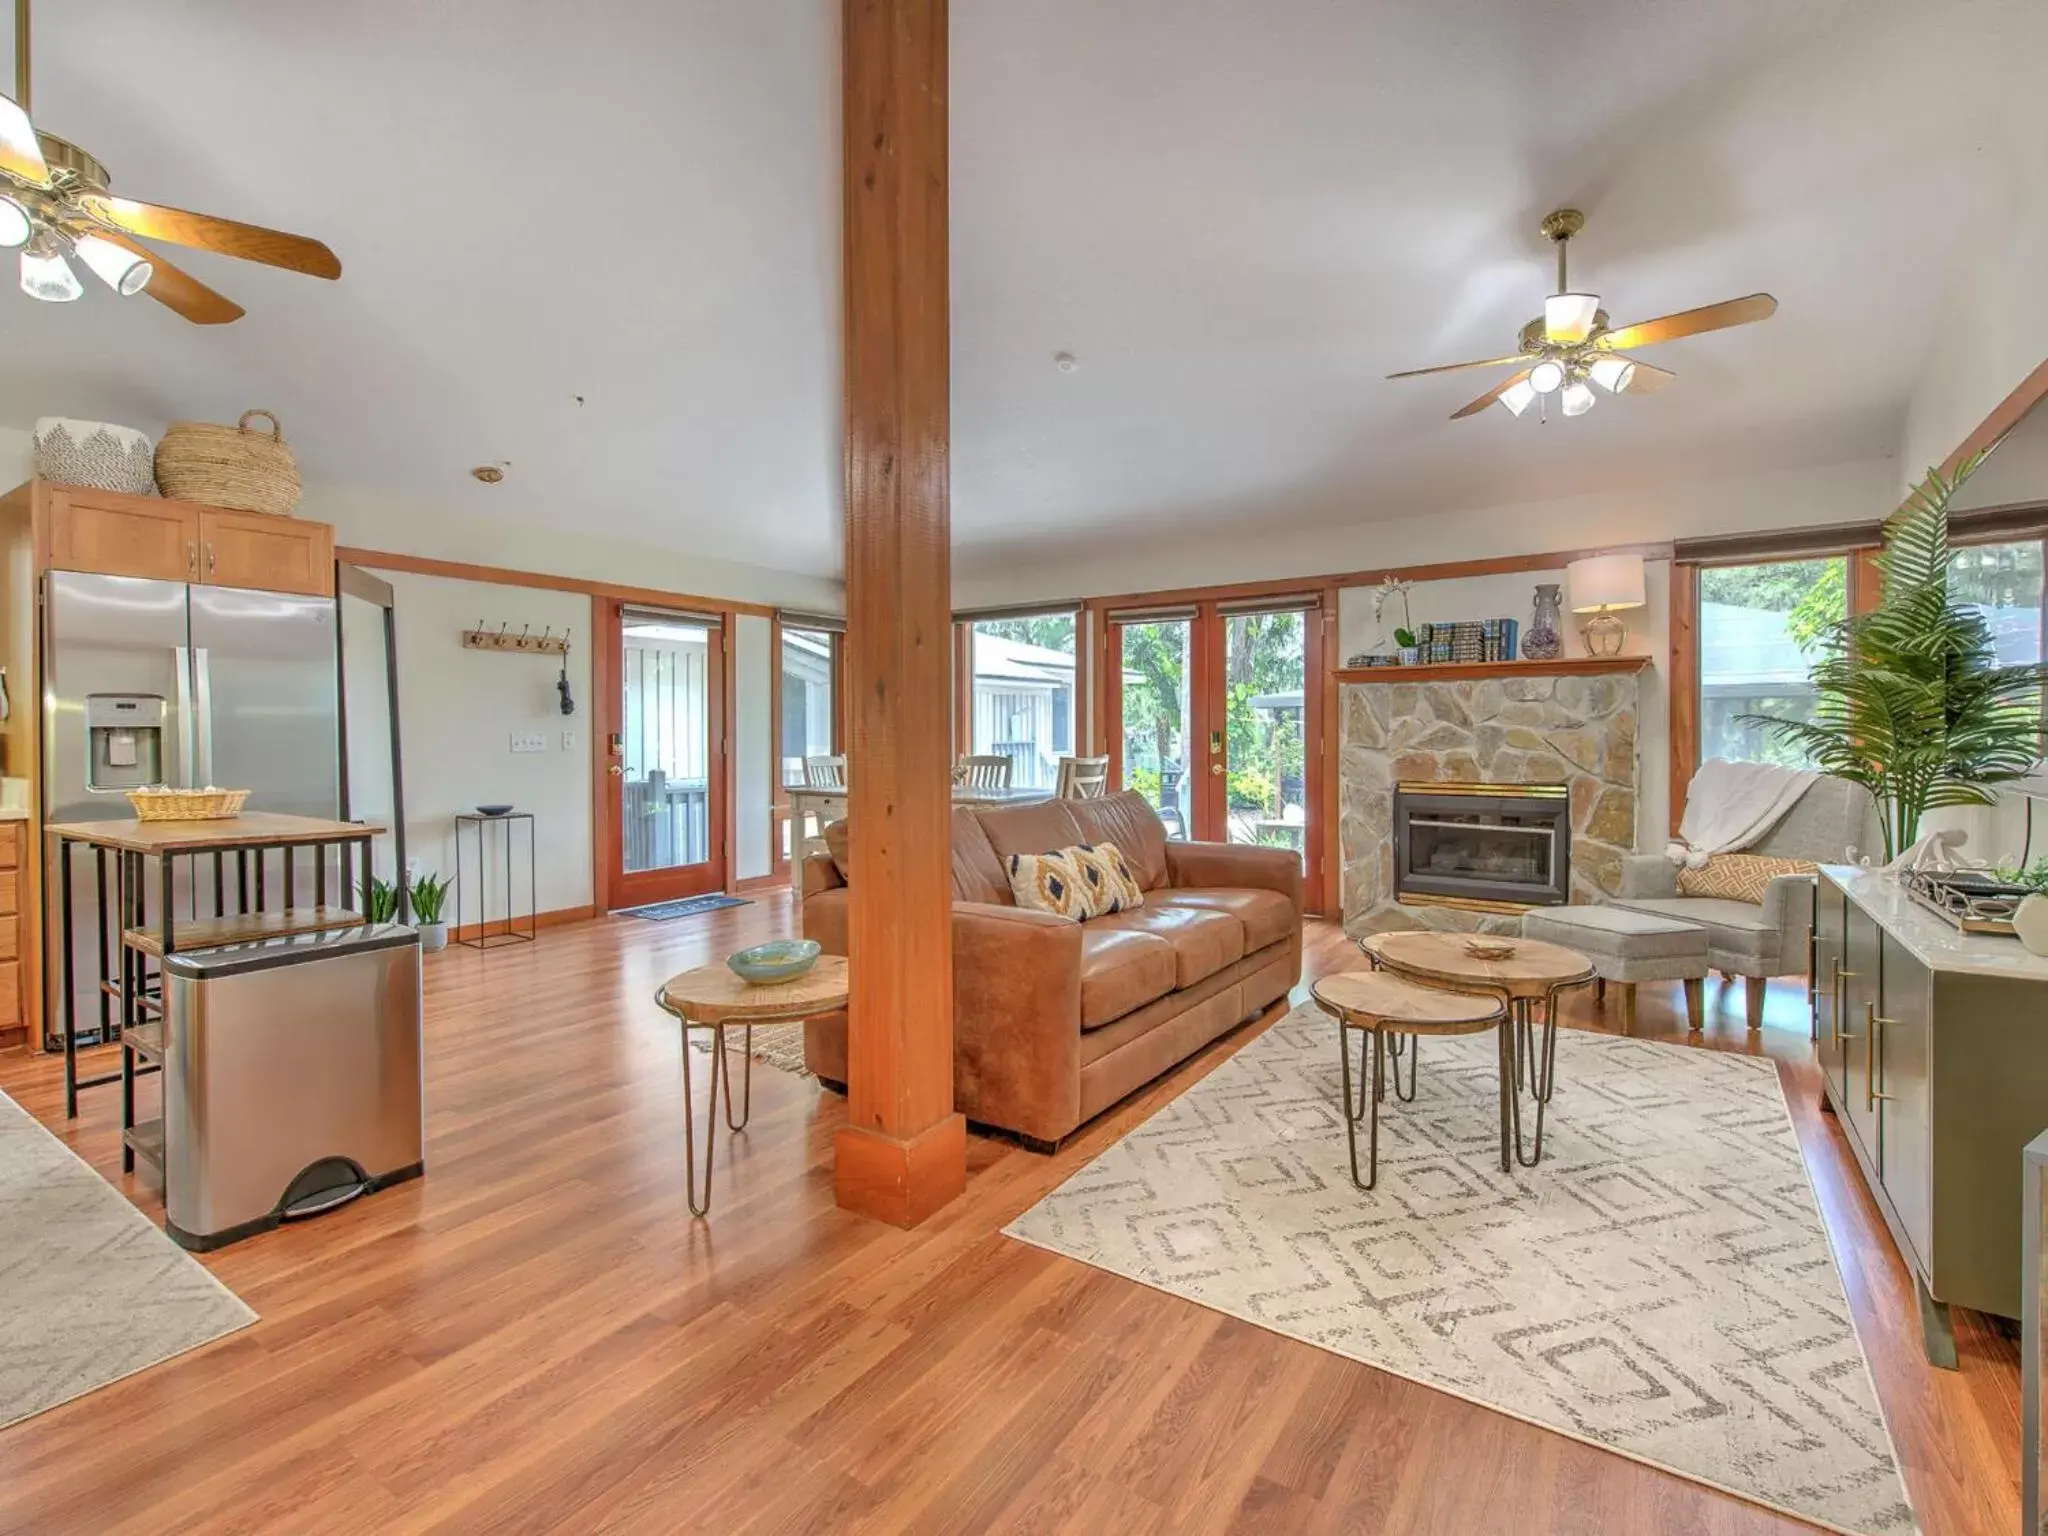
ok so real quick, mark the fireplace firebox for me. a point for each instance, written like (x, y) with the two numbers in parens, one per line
(1487, 846)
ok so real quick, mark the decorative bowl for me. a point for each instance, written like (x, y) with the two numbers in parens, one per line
(494, 810)
(1489, 949)
(777, 960)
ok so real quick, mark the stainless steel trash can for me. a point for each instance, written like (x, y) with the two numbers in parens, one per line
(291, 1079)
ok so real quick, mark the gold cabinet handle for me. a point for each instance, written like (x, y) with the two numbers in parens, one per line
(1841, 1002)
(1873, 1057)
(191, 557)
(212, 564)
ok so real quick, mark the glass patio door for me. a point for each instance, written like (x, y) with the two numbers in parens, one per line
(664, 759)
(1157, 726)
(1264, 701)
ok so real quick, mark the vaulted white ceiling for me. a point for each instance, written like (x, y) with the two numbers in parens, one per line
(601, 242)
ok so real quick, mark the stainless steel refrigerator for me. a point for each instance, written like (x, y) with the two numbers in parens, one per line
(156, 682)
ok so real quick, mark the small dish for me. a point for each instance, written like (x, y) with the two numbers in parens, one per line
(494, 810)
(1489, 949)
(777, 960)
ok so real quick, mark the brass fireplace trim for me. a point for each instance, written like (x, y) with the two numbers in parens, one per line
(1526, 791)
(1466, 903)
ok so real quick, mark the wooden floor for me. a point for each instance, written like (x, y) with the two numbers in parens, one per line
(537, 1337)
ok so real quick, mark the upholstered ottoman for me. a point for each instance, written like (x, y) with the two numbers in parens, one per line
(1627, 947)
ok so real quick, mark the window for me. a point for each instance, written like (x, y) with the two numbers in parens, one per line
(1023, 696)
(809, 661)
(1757, 626)
(2003, 582)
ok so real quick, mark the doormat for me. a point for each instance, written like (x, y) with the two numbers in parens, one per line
(686, 906)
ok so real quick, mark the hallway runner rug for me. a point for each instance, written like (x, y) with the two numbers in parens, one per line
(95, 1291)
(1660, 1285)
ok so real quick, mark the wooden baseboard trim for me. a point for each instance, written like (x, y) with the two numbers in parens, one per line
(756, 885)
(553, 919)
(900, 1181)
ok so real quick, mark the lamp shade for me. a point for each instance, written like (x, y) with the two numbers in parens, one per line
(1601, 583)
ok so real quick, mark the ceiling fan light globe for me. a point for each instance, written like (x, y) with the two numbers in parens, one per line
(1578, 398)
(1568, 317)
(1546, 376)
(49, 278)
(1518, 396)
(119, 268)
(16, 227)
(1612, 373)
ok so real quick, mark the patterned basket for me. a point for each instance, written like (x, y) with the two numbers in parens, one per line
(229, 466)
(186, 804)
(96, 454)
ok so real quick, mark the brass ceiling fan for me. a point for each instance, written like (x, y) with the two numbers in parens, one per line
(1570, 347)
(55, 204)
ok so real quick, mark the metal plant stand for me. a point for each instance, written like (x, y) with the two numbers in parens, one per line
(484, 937)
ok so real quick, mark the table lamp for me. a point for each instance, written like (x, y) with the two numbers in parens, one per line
(1601, 584)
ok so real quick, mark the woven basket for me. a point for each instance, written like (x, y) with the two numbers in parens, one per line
(228, 466)
(186, 804)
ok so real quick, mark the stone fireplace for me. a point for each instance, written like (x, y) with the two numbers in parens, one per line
(1566, 742)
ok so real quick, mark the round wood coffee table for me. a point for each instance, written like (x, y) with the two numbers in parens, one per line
(712, 997)
(1376, 1004)
(1532, 971)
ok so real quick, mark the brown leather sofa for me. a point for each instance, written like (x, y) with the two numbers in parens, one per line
(1054, 1021)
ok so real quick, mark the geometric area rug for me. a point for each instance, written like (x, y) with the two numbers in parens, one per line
(95, 1291)
(1660, 1285)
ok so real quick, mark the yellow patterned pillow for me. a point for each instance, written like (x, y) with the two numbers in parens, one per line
(1738, 876)
(1049, 882)
(1111, 885)
(1088, 880)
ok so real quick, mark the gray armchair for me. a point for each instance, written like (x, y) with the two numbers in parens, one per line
(1759, 940)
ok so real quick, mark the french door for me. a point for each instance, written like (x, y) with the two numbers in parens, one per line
(1211, 716)
(662, 715)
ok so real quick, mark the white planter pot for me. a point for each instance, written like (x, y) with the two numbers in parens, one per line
(433, 936)
(2030, 922)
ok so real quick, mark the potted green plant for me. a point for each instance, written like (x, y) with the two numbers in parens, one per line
(1411, 653)
(380, 899)
(429, 898)
(1909, 699)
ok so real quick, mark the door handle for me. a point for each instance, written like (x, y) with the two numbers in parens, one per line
(1215, 767)
(1873, 1057)
(191, 557)
(616, 771)
(212, 561)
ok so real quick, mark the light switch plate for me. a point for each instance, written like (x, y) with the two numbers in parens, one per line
(529, 741)
(568, 741)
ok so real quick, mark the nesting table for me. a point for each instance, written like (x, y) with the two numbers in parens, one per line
(712, 997)
(1533, 972)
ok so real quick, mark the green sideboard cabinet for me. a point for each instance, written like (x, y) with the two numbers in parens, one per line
(1933, 1050)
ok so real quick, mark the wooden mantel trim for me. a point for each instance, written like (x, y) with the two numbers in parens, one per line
(1475, 671)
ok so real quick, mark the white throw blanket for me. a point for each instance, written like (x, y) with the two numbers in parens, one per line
(1731, 805)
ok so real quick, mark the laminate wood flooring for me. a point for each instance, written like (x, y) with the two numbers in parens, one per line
(538, 1337)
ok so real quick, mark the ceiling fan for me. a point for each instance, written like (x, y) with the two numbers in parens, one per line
(1570, 347)
(55, 205)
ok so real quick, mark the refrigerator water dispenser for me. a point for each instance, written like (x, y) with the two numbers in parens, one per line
(124, 741)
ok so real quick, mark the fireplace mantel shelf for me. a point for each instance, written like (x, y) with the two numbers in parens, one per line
(1476, 671)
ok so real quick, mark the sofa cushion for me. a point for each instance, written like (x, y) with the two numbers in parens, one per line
(1128, 820)
(1266, 916)
(1051, 882)
(1738, 876)
(1203, 942)
(1111, 885)
(1120, 971)
(1042, 827)
(977, 872)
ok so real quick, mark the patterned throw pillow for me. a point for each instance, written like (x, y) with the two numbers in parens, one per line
(1111, 885)
(1088, 880)
(1738, 876)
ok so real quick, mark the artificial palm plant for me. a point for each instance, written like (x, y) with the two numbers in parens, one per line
(1910, 700)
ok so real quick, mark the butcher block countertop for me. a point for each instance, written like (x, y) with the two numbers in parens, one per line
(259, 829)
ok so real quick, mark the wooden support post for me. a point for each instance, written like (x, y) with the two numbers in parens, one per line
(903, 1153)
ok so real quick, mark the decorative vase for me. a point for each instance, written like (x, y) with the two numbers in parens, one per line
(1542, 642)
(2030, 924)
(433, 937)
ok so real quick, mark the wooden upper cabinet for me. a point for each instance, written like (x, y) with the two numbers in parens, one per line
(271, 554)
(116, 535)
(111, 534)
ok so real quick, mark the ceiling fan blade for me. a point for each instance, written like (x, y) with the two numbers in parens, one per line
(1491, 395)
(175, 289)
(1689, 322)
(1648, 378)
(250, 242)
(20, 156)
(1484, 362)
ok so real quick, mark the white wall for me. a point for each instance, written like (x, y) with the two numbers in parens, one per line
(458, 710)
(753, 745)
(1513, 596)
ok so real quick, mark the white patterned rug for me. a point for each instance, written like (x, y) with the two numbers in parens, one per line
(94, 1291)
(780, 1046)
(1659, 1285)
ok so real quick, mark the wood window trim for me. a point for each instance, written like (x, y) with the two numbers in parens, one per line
(1682, 709)
(778, 792)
